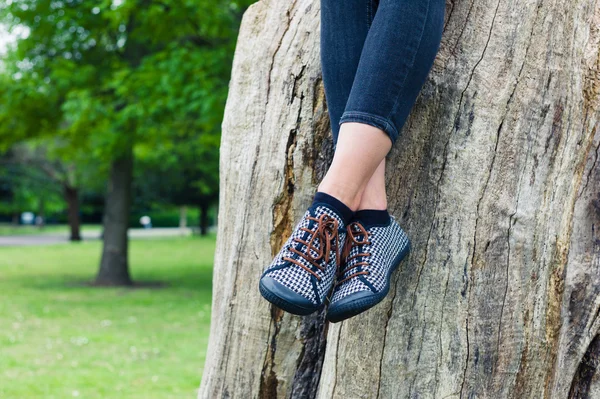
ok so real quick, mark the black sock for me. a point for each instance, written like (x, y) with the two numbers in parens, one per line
(342, 210)
(372, 217)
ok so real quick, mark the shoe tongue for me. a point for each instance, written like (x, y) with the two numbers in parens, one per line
(319, 209)
(341, 210)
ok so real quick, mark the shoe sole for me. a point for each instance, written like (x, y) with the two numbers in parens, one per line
(357, 306)
(282, 303)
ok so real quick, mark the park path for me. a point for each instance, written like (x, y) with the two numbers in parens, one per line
(61, 238)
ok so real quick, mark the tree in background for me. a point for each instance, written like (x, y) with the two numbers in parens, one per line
(23, 187)
(119, 79)
(190, 166)
(62, 167)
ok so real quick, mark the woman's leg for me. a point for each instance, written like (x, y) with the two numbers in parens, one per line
(344, 28)
(302, 273)
(374, 196)
(398, 52)
(373, 69)
(359, 151)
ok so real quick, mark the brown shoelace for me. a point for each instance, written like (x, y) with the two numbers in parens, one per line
(351, 241)
(326, 232)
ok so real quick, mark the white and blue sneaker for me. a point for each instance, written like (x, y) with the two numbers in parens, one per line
(302, 274)
(372, 252)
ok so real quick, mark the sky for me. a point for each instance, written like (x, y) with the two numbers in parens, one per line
(7, 38)
(4, 39)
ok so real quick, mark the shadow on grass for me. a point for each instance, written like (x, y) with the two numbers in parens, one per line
(134, 285)
(195, 280)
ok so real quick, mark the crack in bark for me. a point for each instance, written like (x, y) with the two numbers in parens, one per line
(310, 362)
(525, 57)
(596, 315)
(556, 283)
(238, 257)
(586, 371)
(510, 221)
(337, 356)
(483, 193)
(475, 242)
(440, 328)
(597, 154)
(268, 381)
(510, 225)
(449, 15)
(412, 383)
(275, 52)
(265, 362)
(456, 118)
(234, 291)
(385, 330)
(464, 379)
(463, 28)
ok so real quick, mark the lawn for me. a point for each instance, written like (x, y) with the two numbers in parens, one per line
(60, 338)
(7, 229)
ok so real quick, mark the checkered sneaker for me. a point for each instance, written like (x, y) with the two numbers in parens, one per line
(302, 274)
(370, 256)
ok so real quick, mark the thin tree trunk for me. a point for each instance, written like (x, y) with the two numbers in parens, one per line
(72, 199)
(203, 219)
(495, 178)
(182, 217)
(114, 267)
(40, 219)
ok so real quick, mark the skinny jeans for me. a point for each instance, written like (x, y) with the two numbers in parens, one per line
(375, 57)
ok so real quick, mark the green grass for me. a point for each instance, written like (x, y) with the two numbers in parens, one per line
(62, 339)
(12, 230)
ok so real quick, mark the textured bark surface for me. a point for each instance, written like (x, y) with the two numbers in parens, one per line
(496, 179)
(114, 265)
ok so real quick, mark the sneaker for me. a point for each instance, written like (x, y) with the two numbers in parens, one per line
(302, 274)
(371, 254)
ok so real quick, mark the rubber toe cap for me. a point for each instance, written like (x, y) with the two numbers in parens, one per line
(352, 305)
(284, 298)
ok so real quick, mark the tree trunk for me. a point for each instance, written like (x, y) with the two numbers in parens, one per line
(72, 199)
(182, 217)
(495, 178)
(114, 267)
(203, 218)
(40, 219)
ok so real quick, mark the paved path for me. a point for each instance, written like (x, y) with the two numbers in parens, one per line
(61, 238)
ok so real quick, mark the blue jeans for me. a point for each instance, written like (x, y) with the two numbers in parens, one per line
(375, 56)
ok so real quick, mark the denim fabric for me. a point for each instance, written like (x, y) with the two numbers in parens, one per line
(376, 55)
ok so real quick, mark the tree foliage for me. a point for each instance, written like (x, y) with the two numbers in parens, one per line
(110, 74)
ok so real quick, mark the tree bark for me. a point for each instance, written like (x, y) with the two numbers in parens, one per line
(114, 266)
(203, 219)
(72, 199)
(495, 178)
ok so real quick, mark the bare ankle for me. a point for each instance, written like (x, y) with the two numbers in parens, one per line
(349, 196)
(373, 203)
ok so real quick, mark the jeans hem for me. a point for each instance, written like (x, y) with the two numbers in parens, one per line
(377, 121)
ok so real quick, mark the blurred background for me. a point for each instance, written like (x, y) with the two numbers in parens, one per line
(110, 115)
